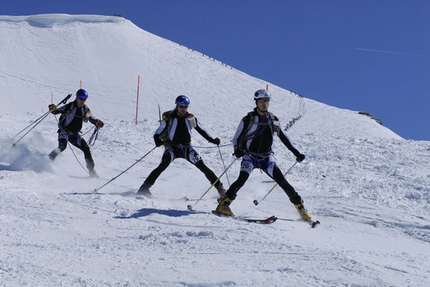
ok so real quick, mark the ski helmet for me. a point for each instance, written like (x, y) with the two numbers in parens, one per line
(182, 100)
(82, 94)
(262, 93)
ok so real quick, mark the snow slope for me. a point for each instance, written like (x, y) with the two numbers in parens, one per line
(369, 187)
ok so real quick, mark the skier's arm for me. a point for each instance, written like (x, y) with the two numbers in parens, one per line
(58, 110)
(238, 132)
(205, 134)
(89, 117)
(163, 125)
(287, 143)
(238, 152)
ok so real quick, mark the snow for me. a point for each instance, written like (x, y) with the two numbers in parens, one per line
(369, 188)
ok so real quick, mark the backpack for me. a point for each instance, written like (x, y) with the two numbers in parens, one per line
(68, 108)
(168, 118)
(249, 120)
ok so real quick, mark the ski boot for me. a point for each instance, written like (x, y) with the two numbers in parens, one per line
(144, 191)
(223, 207)
(90, 165)
(54, 153)
(93, 173)
(304, 213)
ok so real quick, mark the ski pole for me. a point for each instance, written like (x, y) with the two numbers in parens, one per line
(44, 115)
(190, 207)
(93, 137)
(97, 189)
(220, 155)
(39, 120)
(275, 185)
(33, 122)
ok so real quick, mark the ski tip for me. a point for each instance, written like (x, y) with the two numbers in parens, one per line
(314, 224)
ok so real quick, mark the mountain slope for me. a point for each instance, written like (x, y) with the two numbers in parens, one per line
(108, 53)
(367, 186)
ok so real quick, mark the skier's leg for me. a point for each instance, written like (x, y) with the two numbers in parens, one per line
(194, 158)
(286, 186)
(294, 197)
(166, 159)
(246, 167)
(81, 144)
(62, 145)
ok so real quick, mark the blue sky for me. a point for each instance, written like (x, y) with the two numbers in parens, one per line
(364, 55)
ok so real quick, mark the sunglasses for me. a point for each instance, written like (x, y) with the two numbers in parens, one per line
(183, 106)
(264, 100)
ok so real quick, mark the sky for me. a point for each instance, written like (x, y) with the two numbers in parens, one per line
(370, 56)
(365, 184)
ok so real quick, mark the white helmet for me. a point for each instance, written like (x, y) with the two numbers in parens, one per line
(262, 93)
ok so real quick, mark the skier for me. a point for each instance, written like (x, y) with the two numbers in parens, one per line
(70, 125)
(174, 133)
(253, 142)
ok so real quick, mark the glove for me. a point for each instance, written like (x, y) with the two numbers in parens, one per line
(52, 108)
(216, 141)
(300, 157)
(98, 123)
(158, 141)
(238, 152)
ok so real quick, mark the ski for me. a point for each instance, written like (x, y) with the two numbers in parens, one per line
(143, 196)
(267, 220)
(312, 223)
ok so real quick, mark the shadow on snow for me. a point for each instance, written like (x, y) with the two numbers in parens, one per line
(148, 211)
